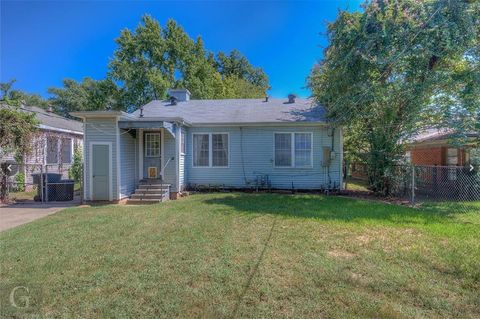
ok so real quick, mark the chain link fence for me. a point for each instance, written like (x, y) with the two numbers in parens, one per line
(42, 182)
(448, 185)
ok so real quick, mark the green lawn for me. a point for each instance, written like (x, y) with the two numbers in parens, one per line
(250, 255)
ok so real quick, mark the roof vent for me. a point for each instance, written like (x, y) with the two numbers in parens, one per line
(266, 98)
(50, 109)
(180, 94)
(291, 98)
(173, 100)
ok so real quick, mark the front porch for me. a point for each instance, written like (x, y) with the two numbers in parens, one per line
(151, 150)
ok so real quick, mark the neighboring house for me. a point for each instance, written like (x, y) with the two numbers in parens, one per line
(442, 164)
(237, 143)
(435, 147)
(52, 146)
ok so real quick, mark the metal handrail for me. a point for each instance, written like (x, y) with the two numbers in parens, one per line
(170, 159)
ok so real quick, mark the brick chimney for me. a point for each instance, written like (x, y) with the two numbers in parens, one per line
(180, 95)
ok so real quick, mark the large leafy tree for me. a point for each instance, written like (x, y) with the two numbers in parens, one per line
(152, 59)
(11, 96)
(88, 95)
(385, 69)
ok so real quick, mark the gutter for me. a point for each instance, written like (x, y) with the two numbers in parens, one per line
(51, 128)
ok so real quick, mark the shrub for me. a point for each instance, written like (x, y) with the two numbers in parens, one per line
(20, 182)
(75, 171)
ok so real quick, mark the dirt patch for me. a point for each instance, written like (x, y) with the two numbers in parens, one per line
(340, 254)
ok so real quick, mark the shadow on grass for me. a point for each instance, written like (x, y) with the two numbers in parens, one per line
(332, 208)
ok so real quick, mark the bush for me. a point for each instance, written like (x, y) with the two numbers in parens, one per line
(75, 171)
(20, 182)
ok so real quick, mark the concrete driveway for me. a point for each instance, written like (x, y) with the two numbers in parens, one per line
(13, 215)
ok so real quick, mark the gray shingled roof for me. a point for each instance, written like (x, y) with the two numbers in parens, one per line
(436, 134)
(237, 111)
(53, 120)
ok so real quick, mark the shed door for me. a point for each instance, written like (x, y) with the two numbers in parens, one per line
(100, 172)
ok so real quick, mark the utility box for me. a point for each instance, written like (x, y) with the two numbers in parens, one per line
(327, 156)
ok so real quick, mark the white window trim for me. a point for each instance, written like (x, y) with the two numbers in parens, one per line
(292, 136)
(184, 137)
(160, 148)
(210, 149)
(110, 162)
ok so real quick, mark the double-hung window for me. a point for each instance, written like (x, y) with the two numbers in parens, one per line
(66, 150)
(152, 144)
(210, 150)
(52, 150)
(293, 150)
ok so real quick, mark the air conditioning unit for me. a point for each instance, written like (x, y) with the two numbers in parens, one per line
(327, 156)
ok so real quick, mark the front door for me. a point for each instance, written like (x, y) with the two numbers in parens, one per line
(152, 159)
(100, 172)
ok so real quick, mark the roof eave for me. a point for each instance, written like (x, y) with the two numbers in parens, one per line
(100, 114)
(287, 123)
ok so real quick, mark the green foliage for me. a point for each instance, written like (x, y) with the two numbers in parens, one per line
(88, 95)
(18, 98)
(311, 257)
(19, 182)
(385, 70)
(152, 59)
(76, 170)
(17, 130)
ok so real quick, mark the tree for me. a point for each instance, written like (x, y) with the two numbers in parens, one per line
(16, 97)
(384, 68)
(88, 95)
(152, 59)
(235, 65)
(17, 130)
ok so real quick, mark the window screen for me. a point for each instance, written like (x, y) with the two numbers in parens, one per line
(283, 149)
(66, 150)
(303, 149)
(219, 150)
(201, 150)
(52, 150)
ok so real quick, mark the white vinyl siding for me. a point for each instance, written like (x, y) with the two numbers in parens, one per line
(210, 150)
(152, 144)
(293, 150)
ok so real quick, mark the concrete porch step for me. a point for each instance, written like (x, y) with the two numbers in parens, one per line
(148, 196)
(132, 201)
(150, 191)
(157, 186)
(152, 182)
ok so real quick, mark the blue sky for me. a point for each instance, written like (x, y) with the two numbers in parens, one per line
(45, 42)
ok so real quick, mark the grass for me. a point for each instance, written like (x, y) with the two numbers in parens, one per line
(356, 184)
(250, 255)
(30, 195)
